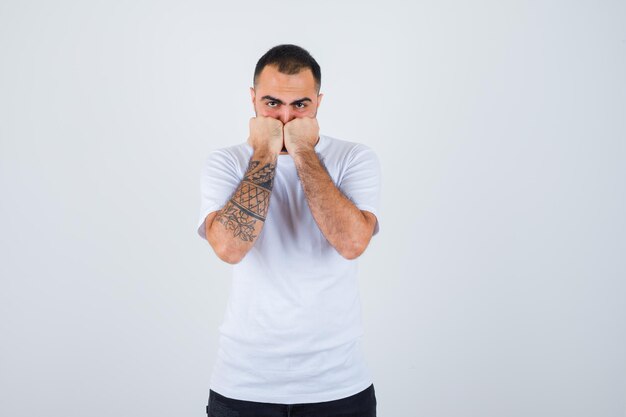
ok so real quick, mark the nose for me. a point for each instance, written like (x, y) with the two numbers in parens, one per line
(286, 115)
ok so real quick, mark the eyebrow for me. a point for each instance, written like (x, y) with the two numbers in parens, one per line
(301, 100)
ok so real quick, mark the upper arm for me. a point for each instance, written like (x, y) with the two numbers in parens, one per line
(371, 220)
(361, 184)
(220, 177)
(208, 222)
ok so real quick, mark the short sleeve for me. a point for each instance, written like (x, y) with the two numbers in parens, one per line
(219, 180)
(361, 181)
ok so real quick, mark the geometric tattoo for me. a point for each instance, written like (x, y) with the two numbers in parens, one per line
(250, 202)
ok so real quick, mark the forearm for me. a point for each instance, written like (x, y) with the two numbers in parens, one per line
(340, 221)
(237, 225)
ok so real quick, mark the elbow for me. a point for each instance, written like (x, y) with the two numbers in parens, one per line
(359, 239)
(223, 247)
(228, 254)
(353, 250)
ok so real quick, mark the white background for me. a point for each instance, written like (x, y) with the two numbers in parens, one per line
(496, 286)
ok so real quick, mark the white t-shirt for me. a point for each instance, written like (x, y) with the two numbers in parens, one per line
(292, 329)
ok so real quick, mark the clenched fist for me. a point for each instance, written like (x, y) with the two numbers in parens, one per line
(266, 134)
(301, 134)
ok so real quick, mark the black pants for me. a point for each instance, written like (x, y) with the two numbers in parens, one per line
(362, 404)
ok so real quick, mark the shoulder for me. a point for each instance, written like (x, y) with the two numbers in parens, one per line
(228, 161)
(234, 152)
(235, 155)
(345, 149)
(347, 152)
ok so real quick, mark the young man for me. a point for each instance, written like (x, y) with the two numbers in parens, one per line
(292, 210)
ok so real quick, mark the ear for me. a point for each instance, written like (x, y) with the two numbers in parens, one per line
(252, 94)
(319, 99)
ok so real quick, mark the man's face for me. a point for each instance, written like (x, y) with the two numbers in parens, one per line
(285, 97)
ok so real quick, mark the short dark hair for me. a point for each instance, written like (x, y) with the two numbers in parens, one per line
(290, 59)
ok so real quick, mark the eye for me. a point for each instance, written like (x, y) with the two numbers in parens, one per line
(300, 105)
(272, 103)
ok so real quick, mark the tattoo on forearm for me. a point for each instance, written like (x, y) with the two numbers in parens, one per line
(250, 202)
(238, 221)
